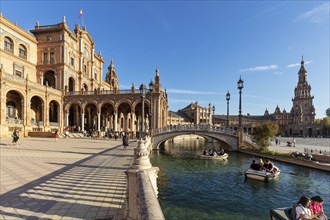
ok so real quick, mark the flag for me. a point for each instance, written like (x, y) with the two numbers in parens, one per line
(80, 13)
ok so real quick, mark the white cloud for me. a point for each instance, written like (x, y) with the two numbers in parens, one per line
(277, 73)
(259, 68)
(298, 64)
(316, 15)
(180, 91)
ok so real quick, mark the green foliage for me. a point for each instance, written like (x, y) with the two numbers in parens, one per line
(327, 112)
(264, 133)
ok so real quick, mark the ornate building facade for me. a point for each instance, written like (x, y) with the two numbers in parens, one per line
(53, 80)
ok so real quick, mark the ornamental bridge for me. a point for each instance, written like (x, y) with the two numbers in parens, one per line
(228, 138)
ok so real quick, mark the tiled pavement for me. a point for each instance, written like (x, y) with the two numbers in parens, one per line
(68, 179)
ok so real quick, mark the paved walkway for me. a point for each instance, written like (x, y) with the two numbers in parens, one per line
(315, 144)
(68, 179)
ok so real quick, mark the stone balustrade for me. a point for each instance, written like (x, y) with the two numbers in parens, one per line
(142, 202)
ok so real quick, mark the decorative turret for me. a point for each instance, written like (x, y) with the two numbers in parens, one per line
(157, 85)
(111, 77)
(277, 110)
(266, 113)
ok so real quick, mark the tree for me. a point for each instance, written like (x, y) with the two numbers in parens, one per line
(264, 133)
(328, 112)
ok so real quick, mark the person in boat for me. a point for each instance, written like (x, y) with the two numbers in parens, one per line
(317, 207)
(221, 151)
(303, 212)
(215, 153)
(210, 152)
(268, 166)
(255, 166)
(204, 152)
(261, 163)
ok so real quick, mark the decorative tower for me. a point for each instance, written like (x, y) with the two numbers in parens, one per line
(303, 111)
(112, 77)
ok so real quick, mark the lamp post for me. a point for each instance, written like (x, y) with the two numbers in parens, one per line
(151, 89)
(227, 98)
(142, 93)
(240, 87)
(209, 116)
(213, 109)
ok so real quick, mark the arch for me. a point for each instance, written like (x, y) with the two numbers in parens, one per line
(54, 112)
(22, 51)
(69, 104)
(85, 87)
(91, 117)
(124, 110)
(74, 116)
(72, 84)
(37, 110)
(8, 44)
(14, 107)
(49, 79)
(107, 116)
(228, 141)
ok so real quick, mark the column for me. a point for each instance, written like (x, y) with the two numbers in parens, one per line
(99, 122)
(67, 119)
(82, 121)
(132, 123)
(115, 121)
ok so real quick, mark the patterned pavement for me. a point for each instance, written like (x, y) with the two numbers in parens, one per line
(67, 179)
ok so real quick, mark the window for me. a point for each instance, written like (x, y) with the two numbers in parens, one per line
(9, 45)
(22, 51)
(52, 58)
(45, 58)
(18, 73)
(72, 61)
(95, 75)
(85, 69)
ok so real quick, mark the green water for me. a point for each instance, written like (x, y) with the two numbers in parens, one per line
(191, 188)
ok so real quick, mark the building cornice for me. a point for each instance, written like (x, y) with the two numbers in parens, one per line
(17, 29)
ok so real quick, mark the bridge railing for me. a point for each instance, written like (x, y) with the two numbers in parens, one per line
(194, 127)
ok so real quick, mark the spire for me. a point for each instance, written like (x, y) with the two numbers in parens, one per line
(157, 71)
(302, 60)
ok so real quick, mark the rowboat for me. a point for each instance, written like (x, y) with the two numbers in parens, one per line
(218, 157)
(262, 175)
(281, 213)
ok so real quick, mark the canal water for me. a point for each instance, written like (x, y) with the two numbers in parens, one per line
(192, 188)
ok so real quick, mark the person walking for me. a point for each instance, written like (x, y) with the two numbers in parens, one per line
(56, 135)
(15, 136)
(125, 140)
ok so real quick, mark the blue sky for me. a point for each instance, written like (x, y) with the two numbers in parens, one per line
(202, 47)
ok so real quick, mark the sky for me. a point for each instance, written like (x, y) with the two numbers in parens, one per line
(202, 48)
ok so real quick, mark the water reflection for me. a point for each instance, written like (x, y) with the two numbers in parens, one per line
(210, 189)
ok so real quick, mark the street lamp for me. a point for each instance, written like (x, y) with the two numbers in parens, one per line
(142, 89)
(213, 109)
(240, 87)
(228, 98)
(151, 88)
(209, 116)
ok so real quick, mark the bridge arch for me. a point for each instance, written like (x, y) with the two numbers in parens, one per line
(229, 141)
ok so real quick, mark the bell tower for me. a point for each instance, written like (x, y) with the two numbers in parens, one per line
(112, 77)
(303, 110)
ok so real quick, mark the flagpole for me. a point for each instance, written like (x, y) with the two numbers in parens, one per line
(82, 19)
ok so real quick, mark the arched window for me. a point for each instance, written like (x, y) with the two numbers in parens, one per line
(22, 51)
(9, 45)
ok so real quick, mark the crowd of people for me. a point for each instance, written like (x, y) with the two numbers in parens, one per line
(261, 166)
(214, 152)
(309, 208)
